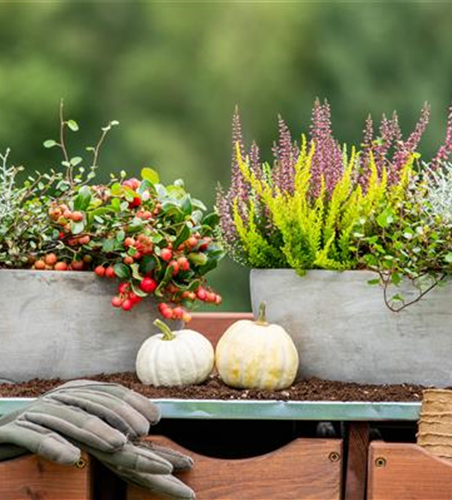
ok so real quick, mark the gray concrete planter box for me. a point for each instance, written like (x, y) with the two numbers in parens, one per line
(61, 324)
(344, 331)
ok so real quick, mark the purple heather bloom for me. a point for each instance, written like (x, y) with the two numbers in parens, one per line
(327, 161)
(285, 156)
(237, 181)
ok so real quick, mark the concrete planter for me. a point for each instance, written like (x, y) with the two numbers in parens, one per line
(344, 331)
(61, 324)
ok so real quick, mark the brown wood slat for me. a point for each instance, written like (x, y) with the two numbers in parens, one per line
(213, 325)
(407, 472)
(303, 469)
(356, 463)
(32, 478)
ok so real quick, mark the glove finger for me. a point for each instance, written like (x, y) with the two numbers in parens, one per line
(135, 458)
(179, 461)
(164, 485)
(137, 401)
(90, 430)
(43, 442)
(111, 409)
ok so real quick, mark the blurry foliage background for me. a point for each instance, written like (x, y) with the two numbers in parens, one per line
(171, 73)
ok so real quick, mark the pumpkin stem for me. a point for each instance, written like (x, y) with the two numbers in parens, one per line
(167, 333)
(262, 318)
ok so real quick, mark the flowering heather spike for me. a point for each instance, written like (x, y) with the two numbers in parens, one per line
(283, 175)
(255, 162)
(368, 132)
(327, 161)
(237, 137)
(445, 149)
(405, 148)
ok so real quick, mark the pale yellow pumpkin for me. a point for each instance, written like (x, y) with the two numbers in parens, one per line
(257, 355)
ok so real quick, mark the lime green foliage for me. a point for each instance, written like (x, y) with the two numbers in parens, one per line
(315, 232)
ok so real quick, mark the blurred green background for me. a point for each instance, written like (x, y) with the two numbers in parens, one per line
(172, 72)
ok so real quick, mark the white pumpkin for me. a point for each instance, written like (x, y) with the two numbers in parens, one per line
(257, 355)
(174, 358)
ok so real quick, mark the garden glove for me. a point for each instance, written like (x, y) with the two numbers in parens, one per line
(105, 420)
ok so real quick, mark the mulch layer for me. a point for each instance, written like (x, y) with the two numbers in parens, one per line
(312, 389)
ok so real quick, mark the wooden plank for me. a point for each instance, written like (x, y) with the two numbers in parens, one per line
(407, 472)
(303, 469)
(356, 463)
(213, 325)
(32, 478)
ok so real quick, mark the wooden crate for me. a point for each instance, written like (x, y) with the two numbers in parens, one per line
(399, 471)
(32, 478)
(303, 469)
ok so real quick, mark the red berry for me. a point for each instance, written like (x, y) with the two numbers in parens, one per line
(50, 259)
(116, 302)
(148, 285)
(218, 300)
(60, 266)
(40, 264)
(128, 260)
(61, 235)
(183, 263)
(192, 241)
(132, 183)
(110, 272)
(77, 216)
(201, 293)
(67, 214)
(134, 298)
(127, 305)
(175, 265)
(166, 254)
(123, 287)
(77, 265)
(129, 242)
(186, 318)
(135, 203)
(204, 243)
(211, 297)
(100, 271)
(84, 240)
(178, 313)
(167, 313)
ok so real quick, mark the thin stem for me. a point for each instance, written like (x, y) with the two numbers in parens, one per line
(98, 145)
(262, 319)
(167, 333)
(62, 144)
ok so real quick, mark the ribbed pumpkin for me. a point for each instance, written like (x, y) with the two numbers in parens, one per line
(256, 355)
(181, 357)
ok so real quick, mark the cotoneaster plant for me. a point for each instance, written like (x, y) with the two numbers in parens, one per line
(156, 239)
(320, 205)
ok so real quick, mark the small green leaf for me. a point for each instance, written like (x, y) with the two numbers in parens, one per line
(150, 175)
(73, 125)
(50, 143)
(375, 281)
(136, 272)
(448, 258)
(108, 246)
(397, 298)
(83, 199)
(121, 270)
(120, 236)
(76, 160)
(77, 227)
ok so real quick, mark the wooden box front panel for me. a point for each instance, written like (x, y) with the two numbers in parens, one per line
(304, 469)
(32, 478)
(399, 471)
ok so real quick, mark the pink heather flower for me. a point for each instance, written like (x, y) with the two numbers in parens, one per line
(237, 181)
(285, 155)
(255, 162)
(403, 149)
(327, 160)
(445, 149)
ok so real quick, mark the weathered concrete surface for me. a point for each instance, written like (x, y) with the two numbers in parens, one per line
(61, 324)
(344, 331)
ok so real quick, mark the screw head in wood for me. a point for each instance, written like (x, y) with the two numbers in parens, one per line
(81, 463)
(380, 462)
(334, 456)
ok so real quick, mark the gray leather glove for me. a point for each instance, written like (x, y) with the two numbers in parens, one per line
(105, 420)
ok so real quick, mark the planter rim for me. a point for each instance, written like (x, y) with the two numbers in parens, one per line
(316, 271)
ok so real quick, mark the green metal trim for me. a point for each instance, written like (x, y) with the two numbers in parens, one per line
(269, 410)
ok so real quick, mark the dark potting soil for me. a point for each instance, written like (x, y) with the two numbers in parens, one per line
(306, 390)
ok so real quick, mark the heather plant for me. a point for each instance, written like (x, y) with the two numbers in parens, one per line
(321, 205)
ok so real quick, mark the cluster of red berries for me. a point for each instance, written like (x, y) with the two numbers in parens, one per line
(50, 262)
(176, 312)
(126, 299)
(63, 216)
